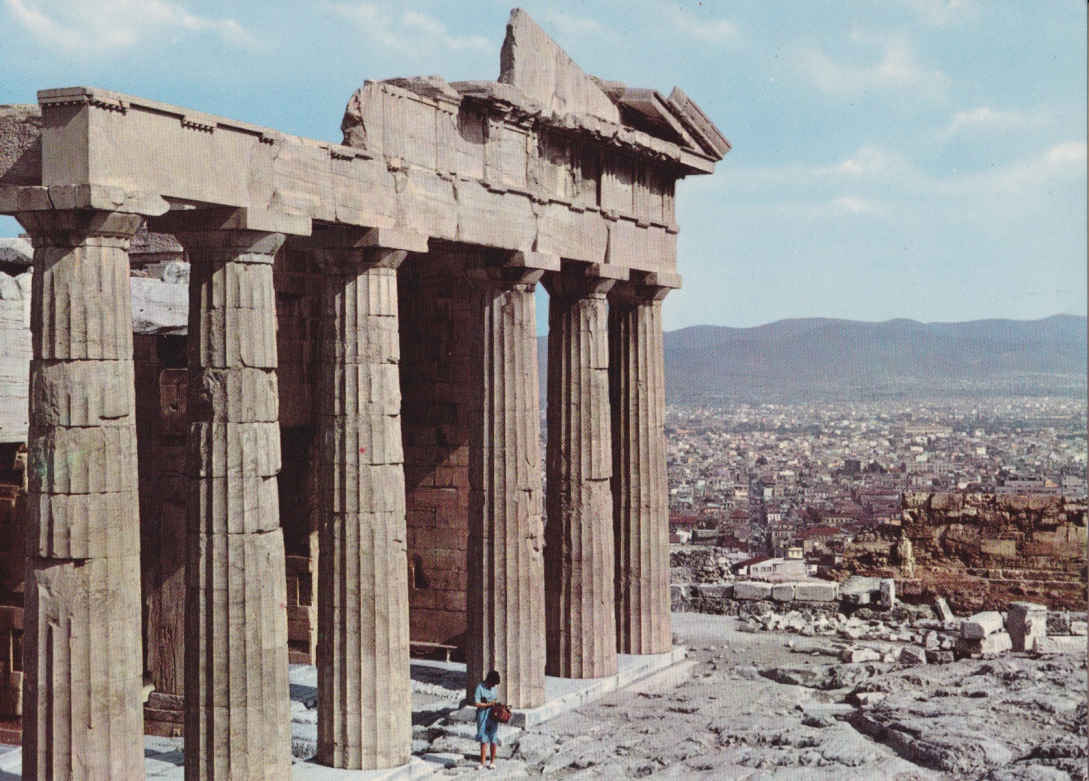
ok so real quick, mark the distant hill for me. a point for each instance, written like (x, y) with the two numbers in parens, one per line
(826, 359)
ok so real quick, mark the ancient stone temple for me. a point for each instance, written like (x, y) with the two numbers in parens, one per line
(341, 453)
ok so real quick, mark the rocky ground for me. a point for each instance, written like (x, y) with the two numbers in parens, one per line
(775, 705)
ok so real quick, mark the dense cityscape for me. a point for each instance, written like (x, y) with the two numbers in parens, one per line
(801, 480)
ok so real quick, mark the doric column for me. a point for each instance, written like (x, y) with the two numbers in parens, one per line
(237, 716)
(506, 611)
(580, 600)
(364, 686)
(639, 484)
(83, 713)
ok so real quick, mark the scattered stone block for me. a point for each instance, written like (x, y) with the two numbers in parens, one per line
(856, 655)
(939, 656)
(851, 631)
(912, 655)
(816, 592)
(1061, 644)
(1079, 628)
(931, 641)
(981, 625)
(991, 645)
(16, 251)
(715, 591)
(859, 590)
(867, 699)
(888, 593)
(751, 589)
(783, 592)
(941, 607)
(1027, 624)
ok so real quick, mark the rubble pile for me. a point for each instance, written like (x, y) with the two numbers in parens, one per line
(699, 564)
(910, 635)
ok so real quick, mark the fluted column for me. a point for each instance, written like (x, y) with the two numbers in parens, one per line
(364, 685)
(83, 714)
(580, 599)
(237, 717)
(640, 488)
(506, 612)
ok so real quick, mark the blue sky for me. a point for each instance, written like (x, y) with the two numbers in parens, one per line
(895, 158)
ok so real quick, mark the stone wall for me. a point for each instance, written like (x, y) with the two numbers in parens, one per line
(15, 351)
(12, 509)
(746, 597)
(436, 398)
(161, 427)
(980, 551)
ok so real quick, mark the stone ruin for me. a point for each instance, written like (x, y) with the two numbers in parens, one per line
(359, 374)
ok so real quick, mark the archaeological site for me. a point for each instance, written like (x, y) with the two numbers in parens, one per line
(316, 441)
(283, 474)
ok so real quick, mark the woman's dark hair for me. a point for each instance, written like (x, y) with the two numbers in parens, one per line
(492, 679)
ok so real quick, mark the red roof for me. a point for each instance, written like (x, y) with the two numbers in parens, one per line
(685, 520)
(819, 531)
(750, 562)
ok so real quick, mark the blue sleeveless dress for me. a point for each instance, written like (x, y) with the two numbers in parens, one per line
(485, 729)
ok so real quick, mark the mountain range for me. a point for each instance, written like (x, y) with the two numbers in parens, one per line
(823, 359)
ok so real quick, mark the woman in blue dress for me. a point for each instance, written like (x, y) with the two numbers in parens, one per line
(485, 696)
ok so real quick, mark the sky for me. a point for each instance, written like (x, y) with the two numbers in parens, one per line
(922, 159)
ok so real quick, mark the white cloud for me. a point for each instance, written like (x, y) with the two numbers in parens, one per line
(708, 30)
(875, 181)
(867, 161)
(851, 205)
(985, 118)
(409, 32)
(942, 13)
(1068, 156)
(1060, 162)
(570, 26)
(78, 26)
(436, 31)
(897, 68)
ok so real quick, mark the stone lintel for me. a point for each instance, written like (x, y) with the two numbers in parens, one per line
(83, 197)
(230, 218)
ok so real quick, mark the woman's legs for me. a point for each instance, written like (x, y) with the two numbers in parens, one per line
(493, 752)
(483, 749)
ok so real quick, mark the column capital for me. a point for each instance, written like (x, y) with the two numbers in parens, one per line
(644, 287)
(237, 245)
(582, 280)
(69, 215)
(72, 228)
(208, 233)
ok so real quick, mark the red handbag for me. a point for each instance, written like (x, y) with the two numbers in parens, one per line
(500, 713)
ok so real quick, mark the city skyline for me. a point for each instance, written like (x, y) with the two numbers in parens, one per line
(895, 160)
